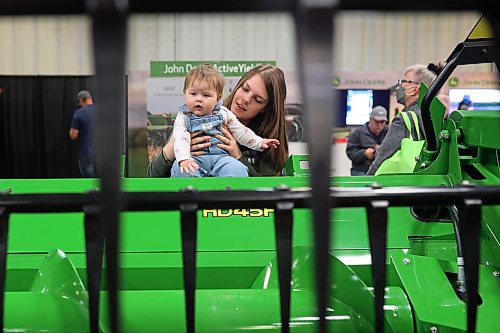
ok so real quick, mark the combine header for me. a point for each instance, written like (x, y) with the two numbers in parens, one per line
(415, 252)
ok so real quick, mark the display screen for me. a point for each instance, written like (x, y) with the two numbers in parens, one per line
(359, 104)
(474, 99)
(356, 104)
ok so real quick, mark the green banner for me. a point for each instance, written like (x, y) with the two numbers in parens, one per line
(181, 68)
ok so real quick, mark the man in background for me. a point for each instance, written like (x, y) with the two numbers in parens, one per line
(81, 128)
(365, 140)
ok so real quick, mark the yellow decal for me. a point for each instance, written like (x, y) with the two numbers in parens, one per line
(481, 30)
(253, 212)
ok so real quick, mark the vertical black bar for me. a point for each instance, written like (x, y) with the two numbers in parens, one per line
(94, 243)
(283, 223)
(493, 17)
(470, 217)
(377, 228)
(189, 228)
(109, 35)
(314, 26)
(4, 235)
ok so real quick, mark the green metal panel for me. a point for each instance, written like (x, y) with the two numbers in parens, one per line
(434, 300)
(479, 127)
(231, 310)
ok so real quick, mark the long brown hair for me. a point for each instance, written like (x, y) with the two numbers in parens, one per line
(271, 122)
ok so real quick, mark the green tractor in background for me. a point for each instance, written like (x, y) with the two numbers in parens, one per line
(416, 252)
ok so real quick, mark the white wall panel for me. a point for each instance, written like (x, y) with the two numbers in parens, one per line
(75, 48)
(212, 45)
(188, 37)
(366, 41)
(146, 35)
(24, 47)
(7, 63)
(230, 36)
(45, 45)
(166, 36)
(371, 41)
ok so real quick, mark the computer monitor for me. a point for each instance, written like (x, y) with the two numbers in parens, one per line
(474, 99)
(356, 105)
(359, 104)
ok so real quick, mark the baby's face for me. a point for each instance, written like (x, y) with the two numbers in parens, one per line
(200, 98)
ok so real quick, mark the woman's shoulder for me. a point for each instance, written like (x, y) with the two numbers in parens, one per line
(413, 108)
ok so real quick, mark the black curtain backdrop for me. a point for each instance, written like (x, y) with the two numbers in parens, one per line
(35, 118)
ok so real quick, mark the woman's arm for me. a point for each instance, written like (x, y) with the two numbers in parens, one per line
(160, 166)
(265, 167)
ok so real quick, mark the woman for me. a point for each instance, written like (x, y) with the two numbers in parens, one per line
(407, 92)
(258, 101)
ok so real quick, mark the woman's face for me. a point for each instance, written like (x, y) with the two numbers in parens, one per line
(250, 99)
(411, 88)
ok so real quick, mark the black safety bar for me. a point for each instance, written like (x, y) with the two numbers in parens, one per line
(466, 53)
(400, 196)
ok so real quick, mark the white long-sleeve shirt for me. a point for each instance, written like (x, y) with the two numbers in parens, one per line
(242, 134)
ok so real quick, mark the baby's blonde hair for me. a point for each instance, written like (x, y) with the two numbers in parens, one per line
(205, 73)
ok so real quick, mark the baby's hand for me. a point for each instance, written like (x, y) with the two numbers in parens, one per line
(188, 166)
(268, 143)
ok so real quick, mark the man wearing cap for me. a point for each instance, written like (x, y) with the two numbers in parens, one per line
(81, 128)
(364, 141)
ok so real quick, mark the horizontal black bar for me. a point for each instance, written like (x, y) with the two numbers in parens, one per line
(290, 5)
(37, 7)
(265, 198)
(152, 6)
(45, 7)
(414, 5)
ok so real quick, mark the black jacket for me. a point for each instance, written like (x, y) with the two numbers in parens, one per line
(359, 140)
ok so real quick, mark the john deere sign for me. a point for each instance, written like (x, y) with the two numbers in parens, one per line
(181, 68)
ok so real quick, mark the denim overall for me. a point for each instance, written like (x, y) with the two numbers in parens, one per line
(210, 124)
(216, 162)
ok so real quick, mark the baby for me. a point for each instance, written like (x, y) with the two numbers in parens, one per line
(204, 111)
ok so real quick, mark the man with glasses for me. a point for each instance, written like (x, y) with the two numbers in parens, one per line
(365, 140)
(407, 91)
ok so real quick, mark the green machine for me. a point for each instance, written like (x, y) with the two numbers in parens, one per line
(416, 252)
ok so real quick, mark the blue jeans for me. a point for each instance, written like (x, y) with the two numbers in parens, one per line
(357, 173)
(213, 166)
(87, 169)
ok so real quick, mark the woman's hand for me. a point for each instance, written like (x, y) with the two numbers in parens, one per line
(229, 143)
(198, 143)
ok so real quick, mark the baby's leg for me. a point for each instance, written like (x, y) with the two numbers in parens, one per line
(228, 166)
